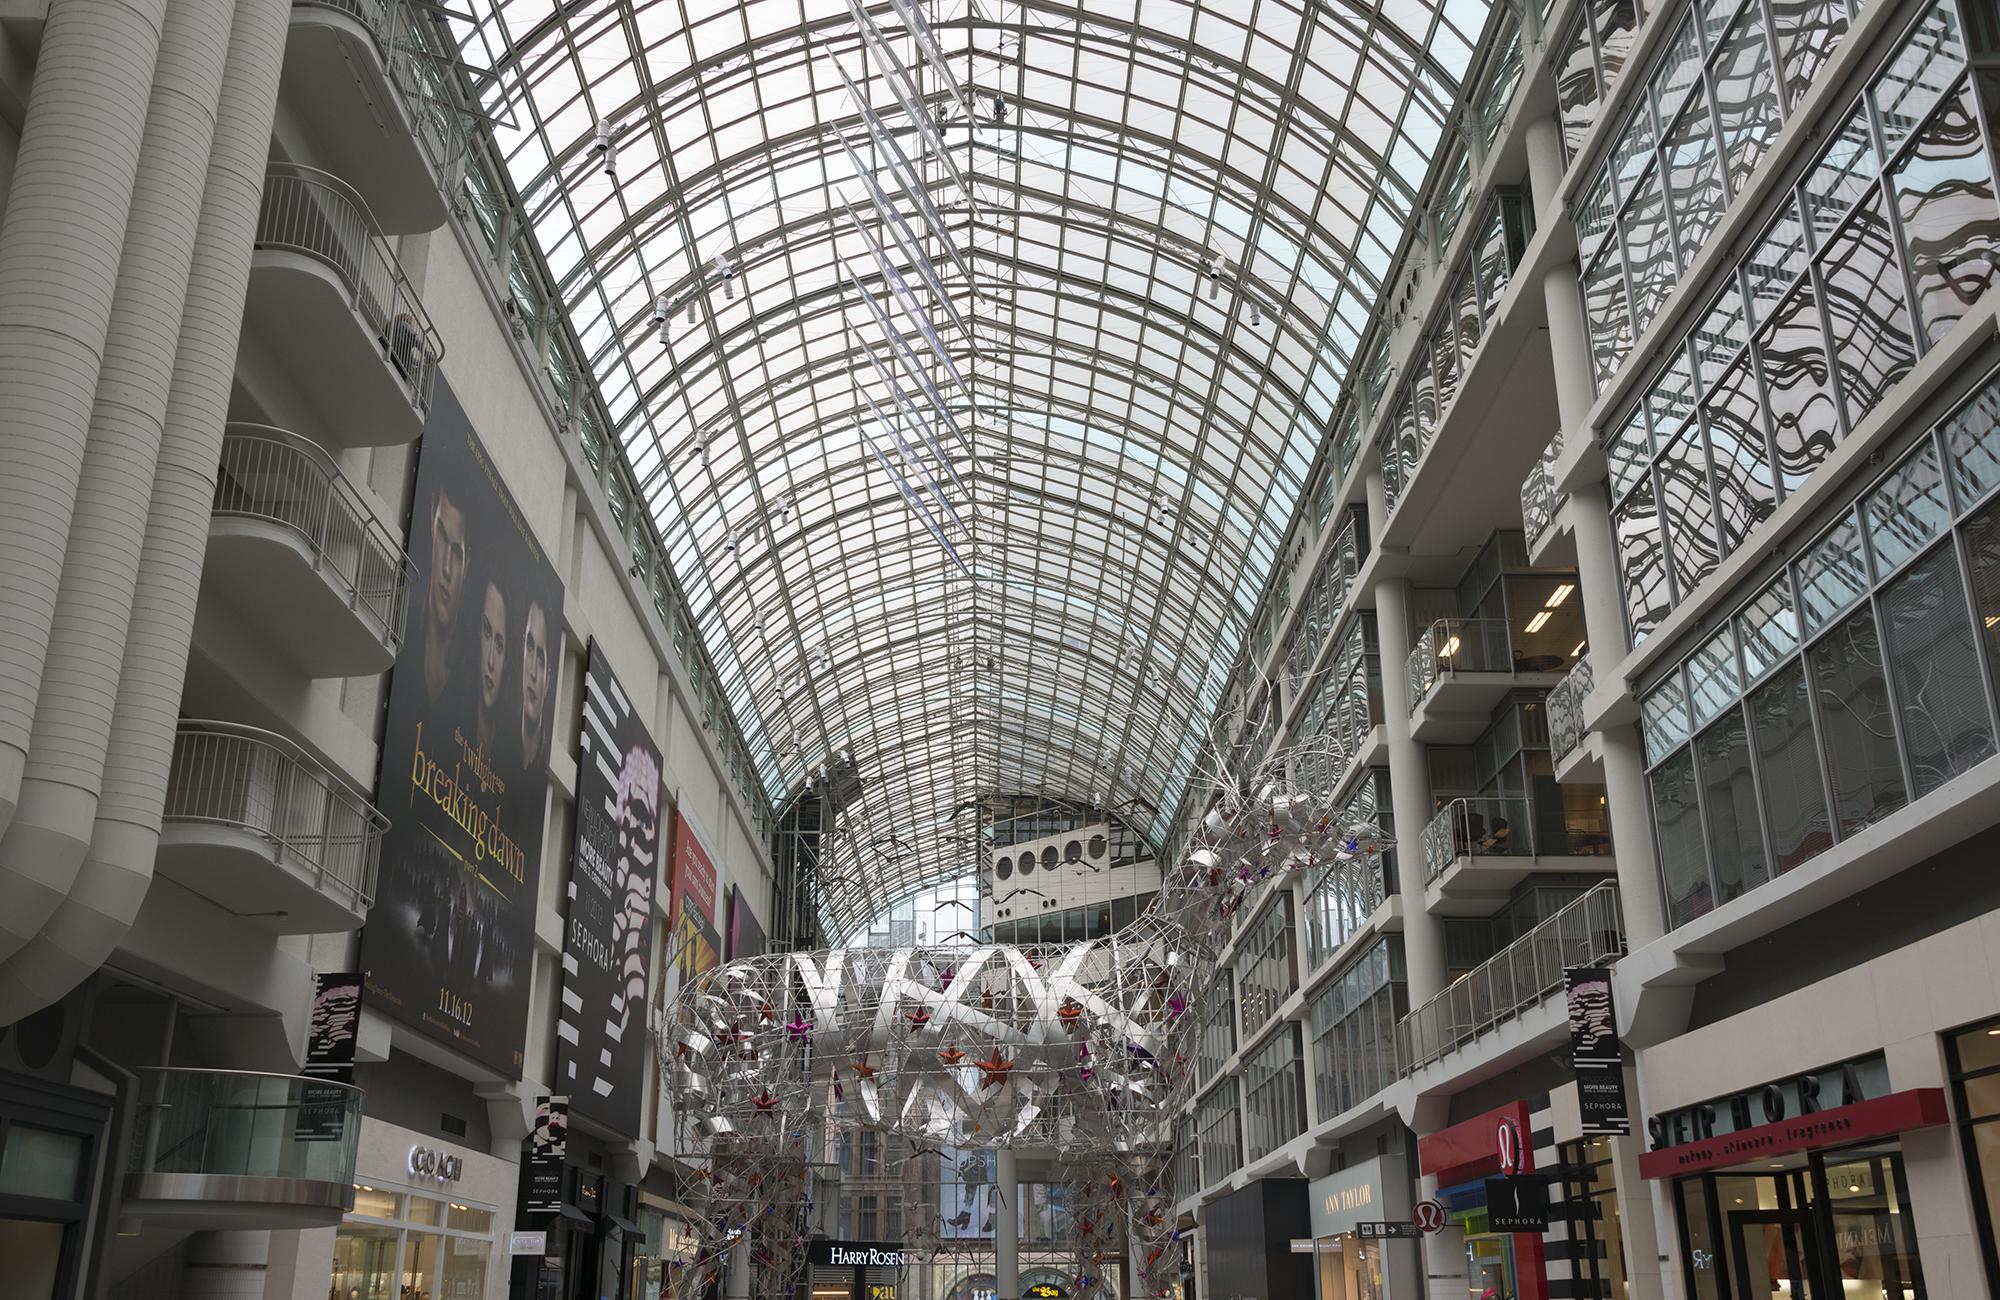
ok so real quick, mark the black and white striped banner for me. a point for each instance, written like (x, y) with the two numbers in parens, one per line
(608, 930)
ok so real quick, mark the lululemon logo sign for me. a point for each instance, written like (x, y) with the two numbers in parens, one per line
(1428, 1215)
(1507, 1141)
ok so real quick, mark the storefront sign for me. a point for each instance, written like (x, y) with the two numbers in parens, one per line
(1428, 1215)
(336, 1021)
(608, 931)
(1594, 1052)
(432, 1165)
(1340, 1200)
(449, 946)
(1833, 1126)
(1474, 1147)
(1517, 1203)
(857, 1254)
(1374, 1231)
(548, 1152)
(1045, 1291)
(527, 1243)
(1806, 1094)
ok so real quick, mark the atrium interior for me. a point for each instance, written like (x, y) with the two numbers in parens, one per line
(983, 649)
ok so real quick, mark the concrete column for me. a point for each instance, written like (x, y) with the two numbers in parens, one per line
(60, 240)
(1409, 789)
(119, 866)
(1007, 1227)
(1589, 513)
(1443, 1254)
(44, 846)
(737, 1286)
(1545, 165)
(1624, 758)
(1644, 1260)
(223, 1264)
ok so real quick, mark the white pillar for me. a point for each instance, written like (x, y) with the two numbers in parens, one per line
(43, 848)
(1409, 788)
(1443, 1255)
(737, 1272)
(224, 1264)
(59, 255)
(1007, 1227)
(1589, 513)
(1545, 164)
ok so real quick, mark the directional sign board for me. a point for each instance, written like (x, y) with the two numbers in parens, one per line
(1371, 1231)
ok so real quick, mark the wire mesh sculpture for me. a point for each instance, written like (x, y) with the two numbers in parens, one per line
(1083, 1050)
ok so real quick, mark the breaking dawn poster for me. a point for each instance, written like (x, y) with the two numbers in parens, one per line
(449, 943)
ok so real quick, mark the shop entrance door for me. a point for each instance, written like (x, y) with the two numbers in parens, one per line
(1774, 1252)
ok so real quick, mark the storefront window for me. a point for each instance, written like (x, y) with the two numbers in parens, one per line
(408, 1246)
(1975, 1068)
(1829, 1223)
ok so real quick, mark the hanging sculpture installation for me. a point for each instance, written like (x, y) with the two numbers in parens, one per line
(1085, 1051)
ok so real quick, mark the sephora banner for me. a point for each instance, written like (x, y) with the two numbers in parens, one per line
(1594, 1051)
(608, 940)
(448, 946)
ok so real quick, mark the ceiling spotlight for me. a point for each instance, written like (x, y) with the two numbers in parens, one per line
(999, 109)
(728, 274)
(1214, 278)
(1256, 313)
(660, 310)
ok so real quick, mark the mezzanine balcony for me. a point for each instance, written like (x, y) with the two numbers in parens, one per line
(258, 827)
(330, 305)
(1477, 849)
(1577, 756)
(1461, 668)
(222, 1149)
(1524, 975)
(366, 82)
(298, 554)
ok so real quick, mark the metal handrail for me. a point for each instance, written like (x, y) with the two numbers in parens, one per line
(396, 28)
(244, 1124)
(1474, 645)
(280, 478)
(1565, 708)
(317, 215)
(1510, 826)
(255, 781)
(1588, 931)
(1539, 494)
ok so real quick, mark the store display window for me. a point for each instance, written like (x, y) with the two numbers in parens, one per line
(398, 1244)
(1829, 1225)
(1974, 1057)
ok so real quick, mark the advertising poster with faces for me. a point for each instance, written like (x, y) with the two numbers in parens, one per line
(697, 941)
(448, 946)
(608, 930)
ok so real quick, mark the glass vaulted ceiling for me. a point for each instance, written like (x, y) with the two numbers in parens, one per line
(1037, 580)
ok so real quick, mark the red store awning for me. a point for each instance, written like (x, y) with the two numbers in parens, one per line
(1834, 1127)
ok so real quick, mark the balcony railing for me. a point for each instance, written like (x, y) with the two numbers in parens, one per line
(235, 1135)
(279, 478)
(1454, 645)
(1565, 708)
(1587, 932)
(410, 44)
(256, 782)
(1539, 497)
(1512, 827)
(318, 215)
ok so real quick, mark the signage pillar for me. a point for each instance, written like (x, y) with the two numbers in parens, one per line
(1006, 1228)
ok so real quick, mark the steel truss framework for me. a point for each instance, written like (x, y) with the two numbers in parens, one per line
(1083, 1051)
(1149, 236)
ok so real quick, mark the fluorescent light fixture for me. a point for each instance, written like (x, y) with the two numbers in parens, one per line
(1539, 621)
(1578, 649)
(1449, 648)
(1560, 594)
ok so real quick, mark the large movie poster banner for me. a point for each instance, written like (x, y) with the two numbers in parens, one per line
(698, 943)
(448, 946)
(608, 939)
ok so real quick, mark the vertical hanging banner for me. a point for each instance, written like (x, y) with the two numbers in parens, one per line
(1594, 1051)
(608, 937)
(697, 941)
(548, 1152)
(449, 943)
(336, 1022)
(746, 933)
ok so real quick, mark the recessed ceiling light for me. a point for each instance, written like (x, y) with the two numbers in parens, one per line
(1560, 594)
